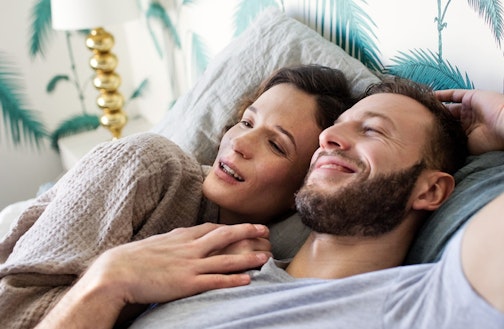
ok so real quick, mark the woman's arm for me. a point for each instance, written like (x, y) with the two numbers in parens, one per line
(158, 269)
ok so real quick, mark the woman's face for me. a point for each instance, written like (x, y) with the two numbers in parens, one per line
(262, 160)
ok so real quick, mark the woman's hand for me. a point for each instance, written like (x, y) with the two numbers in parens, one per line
(481, 114)
(260, 244)
(158, 269)
(180, 263)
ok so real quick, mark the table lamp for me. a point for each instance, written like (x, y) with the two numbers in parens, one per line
(93, 15)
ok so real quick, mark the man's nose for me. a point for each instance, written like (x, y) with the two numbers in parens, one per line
(335, 137)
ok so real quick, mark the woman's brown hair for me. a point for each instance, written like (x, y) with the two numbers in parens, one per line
(329, 87)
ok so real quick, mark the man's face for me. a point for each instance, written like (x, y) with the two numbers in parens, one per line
(366, 167)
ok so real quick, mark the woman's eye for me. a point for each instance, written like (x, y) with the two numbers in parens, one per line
(277, 148)
(245, 123)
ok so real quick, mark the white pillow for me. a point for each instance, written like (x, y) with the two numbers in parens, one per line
(273, 40)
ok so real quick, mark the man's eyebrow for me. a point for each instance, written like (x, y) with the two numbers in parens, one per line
(371, 114)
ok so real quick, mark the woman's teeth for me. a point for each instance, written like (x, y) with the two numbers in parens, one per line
(231, 172)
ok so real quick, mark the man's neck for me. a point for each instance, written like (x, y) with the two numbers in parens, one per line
(327, 256)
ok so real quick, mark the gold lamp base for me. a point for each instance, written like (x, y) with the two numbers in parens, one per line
(106, 81)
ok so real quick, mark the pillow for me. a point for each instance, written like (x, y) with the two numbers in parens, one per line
(478, 182)
(197, 120)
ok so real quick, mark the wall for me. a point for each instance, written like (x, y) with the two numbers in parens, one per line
(24, 167)
(464, 51)
(173, 41)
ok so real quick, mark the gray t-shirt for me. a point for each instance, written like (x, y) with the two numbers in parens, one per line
(415, 296)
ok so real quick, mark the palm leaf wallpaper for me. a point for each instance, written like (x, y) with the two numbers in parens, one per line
(354, 25)
(246, 11)
(346, 23)
(431, 68)
(23, 123)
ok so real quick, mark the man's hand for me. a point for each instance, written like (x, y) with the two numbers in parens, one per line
(158, 269)
(481, 114)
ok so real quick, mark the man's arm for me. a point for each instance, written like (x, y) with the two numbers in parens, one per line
(483, 253)
(482, 115)
(158, 269)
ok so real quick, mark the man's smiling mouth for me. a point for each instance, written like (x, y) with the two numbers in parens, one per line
(336, 166)
(230, 172)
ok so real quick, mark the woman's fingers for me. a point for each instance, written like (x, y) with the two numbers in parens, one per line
(226, 235)
(218, 281)
(177, 264)
(246, 246)
(232, 263)
(193, 232)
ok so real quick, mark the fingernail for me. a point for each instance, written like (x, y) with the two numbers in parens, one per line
(262, 257)
(260, 228)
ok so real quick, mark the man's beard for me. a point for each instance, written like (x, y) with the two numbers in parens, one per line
(363, 208)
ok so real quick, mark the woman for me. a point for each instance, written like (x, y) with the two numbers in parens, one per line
(145, 185)
(262, 160)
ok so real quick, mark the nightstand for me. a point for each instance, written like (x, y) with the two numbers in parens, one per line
(74, 147)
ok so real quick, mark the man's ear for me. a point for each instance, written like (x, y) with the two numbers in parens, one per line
(433, 188)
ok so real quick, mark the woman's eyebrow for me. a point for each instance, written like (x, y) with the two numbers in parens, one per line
(288, 134)
(279, 128)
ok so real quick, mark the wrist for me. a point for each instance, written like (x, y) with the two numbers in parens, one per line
(93, 296)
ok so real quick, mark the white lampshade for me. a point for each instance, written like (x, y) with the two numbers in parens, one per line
(87, 14)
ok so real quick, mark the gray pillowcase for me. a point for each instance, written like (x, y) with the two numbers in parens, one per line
(197, 120)
(478, 182)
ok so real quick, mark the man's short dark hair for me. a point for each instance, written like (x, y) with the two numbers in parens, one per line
(447, 150)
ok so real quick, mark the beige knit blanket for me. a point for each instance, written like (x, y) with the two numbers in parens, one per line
(121, 191)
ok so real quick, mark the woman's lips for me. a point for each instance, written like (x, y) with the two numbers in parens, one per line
(230, 171)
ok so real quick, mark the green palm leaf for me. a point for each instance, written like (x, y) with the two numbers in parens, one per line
(200, 56)
(51, 86)
(157, 11)
(426, 68)
(19, 120)
(40, 27)
(139, 91)
(492, 12)
(247, 10)
(74, 125)
(348, 25)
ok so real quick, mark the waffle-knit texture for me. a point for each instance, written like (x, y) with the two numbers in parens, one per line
(121, 191)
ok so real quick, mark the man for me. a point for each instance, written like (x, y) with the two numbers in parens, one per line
(377, 174)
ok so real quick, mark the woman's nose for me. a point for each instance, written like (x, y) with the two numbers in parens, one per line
(244, 145)
(334, 137)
